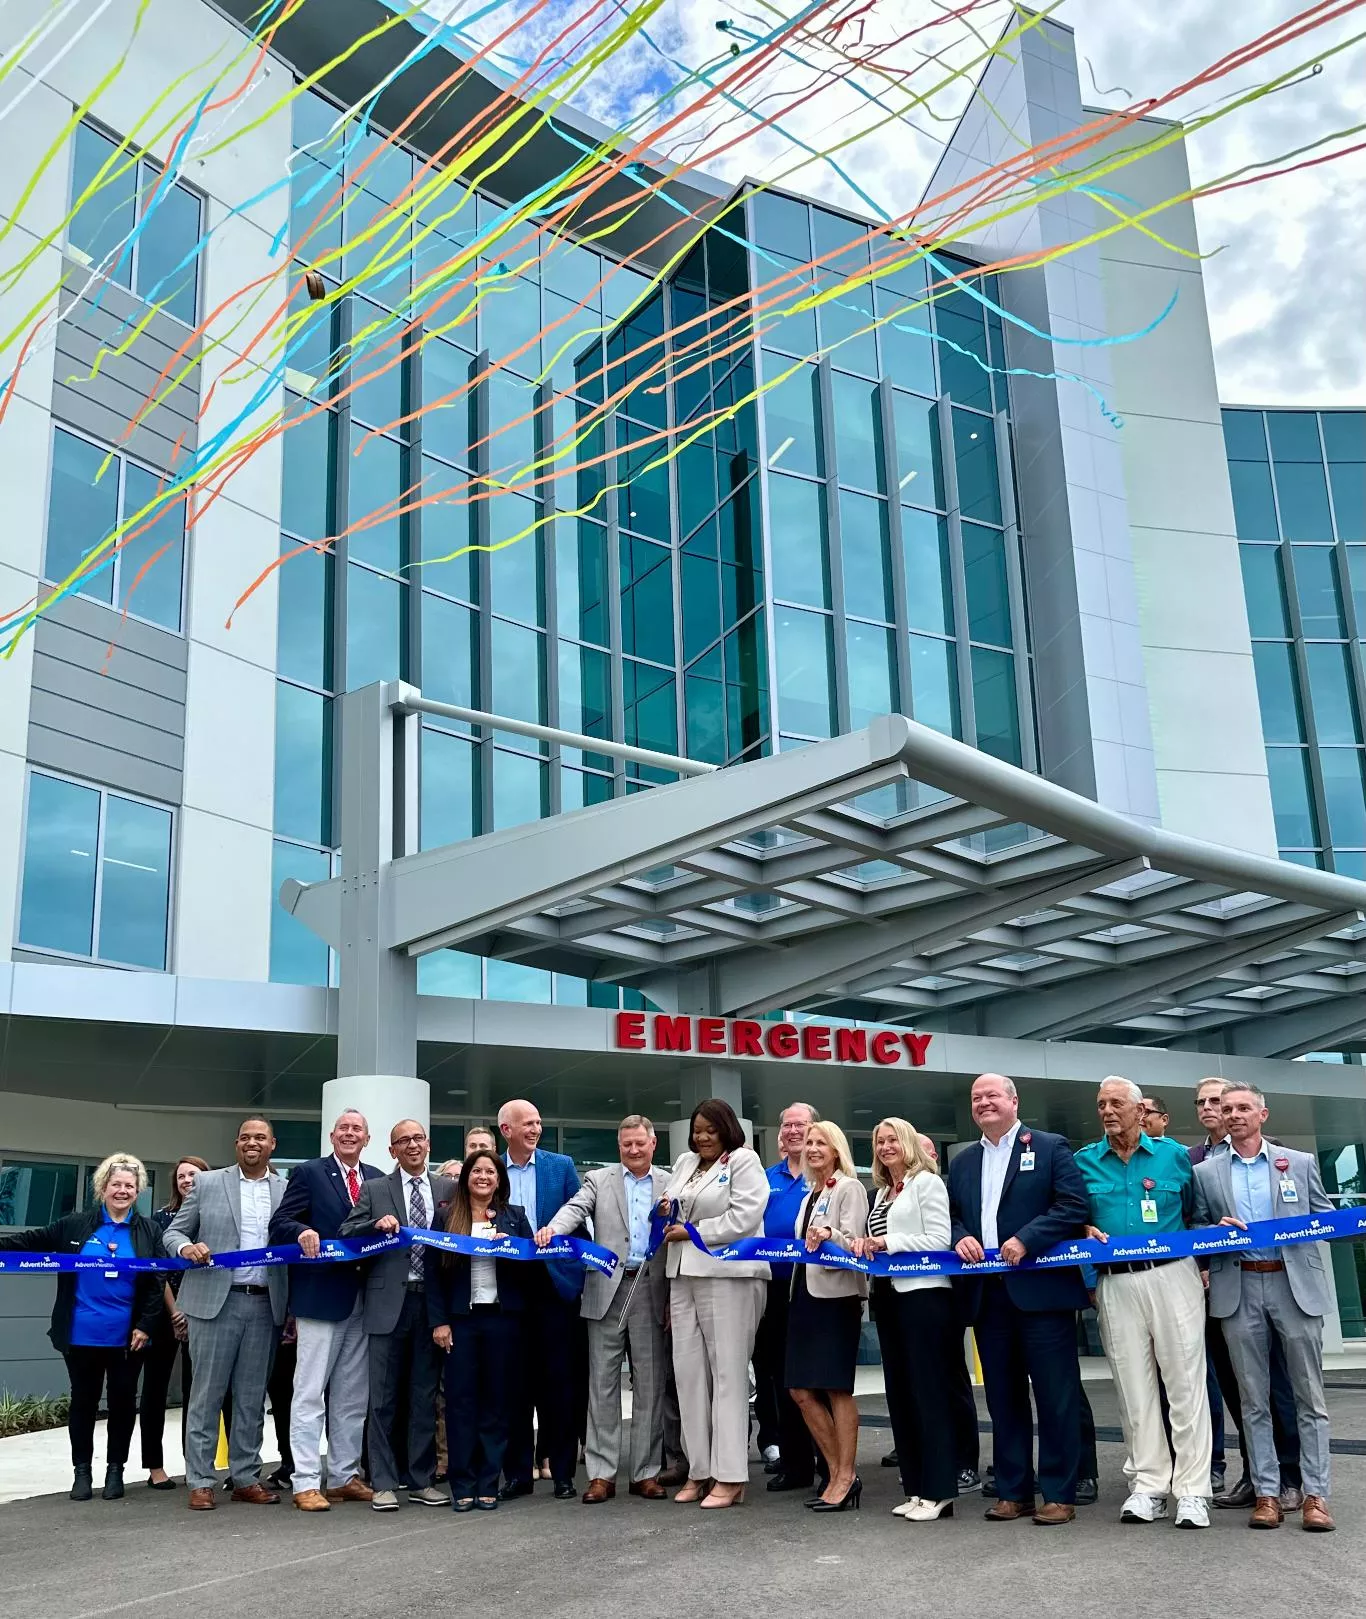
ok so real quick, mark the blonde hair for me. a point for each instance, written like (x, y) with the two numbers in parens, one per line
(918, 1161)
(839, 1144)
(112, 1164)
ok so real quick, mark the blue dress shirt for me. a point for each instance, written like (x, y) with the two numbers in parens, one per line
(639, 1204)
(785, 1195)
(1252, 1195)
(522, 1185)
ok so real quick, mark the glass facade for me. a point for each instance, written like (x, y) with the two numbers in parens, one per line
(1299, 501)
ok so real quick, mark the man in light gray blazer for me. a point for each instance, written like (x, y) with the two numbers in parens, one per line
(1285, 1290)
(234, 1316)
(624, 1311)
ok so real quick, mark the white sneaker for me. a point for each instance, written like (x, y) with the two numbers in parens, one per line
(1143, 1509)
(771, 1453)
(430, 1497)
(1192, 1513)
(384, 1501)
(904, 1510)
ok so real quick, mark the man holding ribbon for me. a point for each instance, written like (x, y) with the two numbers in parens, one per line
(1264, 1294)
(1151, 1310)
(332, 1371)
(1018, 1190)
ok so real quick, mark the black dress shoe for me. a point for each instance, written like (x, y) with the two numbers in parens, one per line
(989, 1484)
(891, 1459)
(785, 1481)
(162, 1484)
(464, 1503)
(81, 1487)
(773, 1467)
(1086, 1492)
(564, 1490)
(968, 1479)
(113, 1482)
(519, 1486)
(1241, 1495)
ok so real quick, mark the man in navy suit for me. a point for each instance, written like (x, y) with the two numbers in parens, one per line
(542, 1183)
(333, 1370)
(1020, 1191)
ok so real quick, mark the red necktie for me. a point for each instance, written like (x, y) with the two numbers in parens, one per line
(353, 1183)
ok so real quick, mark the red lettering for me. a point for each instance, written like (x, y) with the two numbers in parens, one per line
(815, 1042)
(745, 1038)
(851, 1045)
(631, 1031)
(673, 1033)
(711, 1035)
(886, 1047)
(917, 1045)
(782, 1040)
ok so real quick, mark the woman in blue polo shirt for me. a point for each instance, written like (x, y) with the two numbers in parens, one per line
(102, 1318)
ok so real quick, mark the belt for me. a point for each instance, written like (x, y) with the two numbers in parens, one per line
(632, 1270)
(417, 1287)
(1261, 1264)
(247, 1287)
(1123, 1267)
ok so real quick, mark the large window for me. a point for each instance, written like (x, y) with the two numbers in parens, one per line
(160, 262)
(97, 874)
(143, 575)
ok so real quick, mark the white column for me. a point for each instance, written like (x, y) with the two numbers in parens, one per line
(384, 1099)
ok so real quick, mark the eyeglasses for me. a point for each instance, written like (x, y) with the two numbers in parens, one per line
(408, 1141)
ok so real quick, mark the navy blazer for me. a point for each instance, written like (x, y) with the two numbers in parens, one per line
(448, 1279)
(1041, 1206)
(315, 1199)
(556, 1182)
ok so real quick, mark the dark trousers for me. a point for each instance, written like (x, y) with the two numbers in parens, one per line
(1284, 1422)
(921, 1345)
(967, 1439)
(1088, 1465)
(405, 1369)
(93, 1371)
(1020, 1349)
(280, 1388)
(158, 1362)
(477, 1384)
(780, 1419)
(543, 1392)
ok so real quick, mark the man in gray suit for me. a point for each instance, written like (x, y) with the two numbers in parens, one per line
(1283, 1291)
(624, 1312)
(234, 1316)
(405, 1365)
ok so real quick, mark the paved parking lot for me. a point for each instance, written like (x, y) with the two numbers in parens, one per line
(644, 1560)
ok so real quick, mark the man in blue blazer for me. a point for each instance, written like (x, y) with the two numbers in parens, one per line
(332, 1373)
(553, 1382)
(1020, 1191)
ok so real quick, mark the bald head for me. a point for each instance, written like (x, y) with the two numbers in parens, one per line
(519, 1124)
(995, 1105)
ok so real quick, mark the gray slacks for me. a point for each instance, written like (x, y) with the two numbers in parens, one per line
(1268, 1306)
(332, 1384)
(609, 1340)
(713, 1320)
(235, 1350)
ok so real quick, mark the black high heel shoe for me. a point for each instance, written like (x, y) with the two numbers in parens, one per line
(851, 1498)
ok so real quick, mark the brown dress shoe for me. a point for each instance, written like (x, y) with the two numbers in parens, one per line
(1007, 1511)
(202, 1500)
(1266, 1514)
(312, 1501)
(355, 1489)
(650, 1488)
(255, 1495)
(1052, 1512)
(599, 1489)
(1316, 1516)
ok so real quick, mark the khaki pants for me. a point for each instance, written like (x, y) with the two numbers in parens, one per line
(1153, 1321)
(713, 1321)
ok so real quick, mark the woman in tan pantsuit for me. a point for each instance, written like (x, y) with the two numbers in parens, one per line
(826, 1314)
(714, 1305)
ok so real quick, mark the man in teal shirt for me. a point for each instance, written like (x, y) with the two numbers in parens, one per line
(1152, 1311)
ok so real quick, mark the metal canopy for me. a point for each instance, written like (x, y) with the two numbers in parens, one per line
(891, 875)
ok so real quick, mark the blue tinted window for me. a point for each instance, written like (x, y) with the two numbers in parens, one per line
(303, 764)
(647, 611)
(57, 911)
(512, 427)
(781, 225)
(448, 652)
(1278, 691)
(1349, 498)
(374, 627)
(451, 972)
(314, 223)
(448, 529)
(573, 272)
(378, 395)
(867, 556)
(151, 562)
(305, 505)
(167, 267)
(135, 879)
(1317, 585)
(1342, 791)
(305, 613)
(984, 569)
(643, 472)
(746, 662)
(518, 672)
(520, 790)
(512, 322)
(581, 580)
(783, 285)
(790, 416)
(872, 673)
(919, 462)
(805, 686)
(993, 696)
(1302, 496)
(701, 585)
(586, 693)
(1294, 435)
(846, 318)
(449, 810)
(81, 511)
(1330, 691)
(311, 358)
(648, 701)
(907, 347)
(1289, 772)
(696, 484)
(579, 788)
(446, 402)
(376, 473)
(963, 358)
(297, 955)
(1344, 434)
(929, 590)
(515, 573)
(857, 434)
(1244, 438)
(1264, 588)
(979, 489)
(1356, 568)
(797, 542)
(106, 219)
(513, 981)
(934, 684)
(1254, 509)
(378, 245)
(704, 702)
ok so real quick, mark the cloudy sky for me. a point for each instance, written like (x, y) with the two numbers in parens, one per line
(1287, 284)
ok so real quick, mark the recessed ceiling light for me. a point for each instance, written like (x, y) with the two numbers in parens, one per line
(457, 1093)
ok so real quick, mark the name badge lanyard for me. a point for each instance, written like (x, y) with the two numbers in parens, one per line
(1289, 1191)
(1148, 1204)
(1026, 1152)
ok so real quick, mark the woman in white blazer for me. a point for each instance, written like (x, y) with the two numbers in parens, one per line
(825, 1315)
(714, 1306)
(917, 1327)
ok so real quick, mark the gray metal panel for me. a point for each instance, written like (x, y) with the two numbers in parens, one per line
(77, 756)
(119, 386)
(82, 411)
(28, 1363)
(120, 311)
(126, 665)
(83, 320)
(108, 692)
(129, 636)
(50, 712)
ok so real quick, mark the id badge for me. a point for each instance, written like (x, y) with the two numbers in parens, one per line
(111, 1276)
(1027, 1160)
(1149, 1210)
(1288, 1191)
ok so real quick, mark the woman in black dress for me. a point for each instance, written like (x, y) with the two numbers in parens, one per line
(171, 1336)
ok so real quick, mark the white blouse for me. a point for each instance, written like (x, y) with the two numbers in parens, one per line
(483, 1272)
